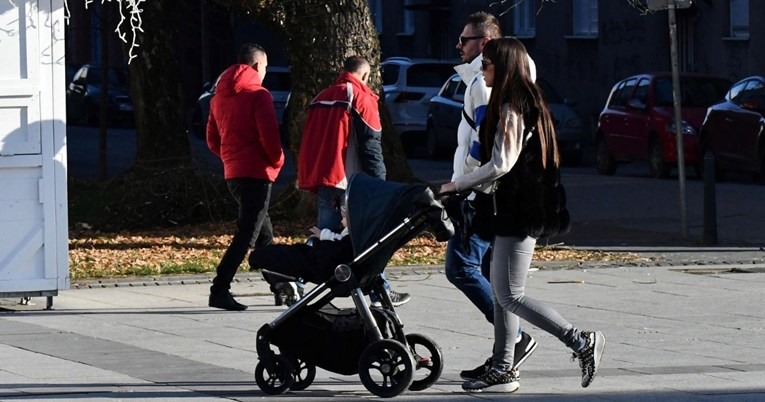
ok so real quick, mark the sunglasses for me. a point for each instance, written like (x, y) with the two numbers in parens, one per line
(466, 39)
(485, 64)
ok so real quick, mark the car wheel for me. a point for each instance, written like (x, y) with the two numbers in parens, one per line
(432, 150)
(657, 166)
(604, 161)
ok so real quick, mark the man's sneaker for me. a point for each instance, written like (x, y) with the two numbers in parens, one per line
(589, 356)
(398, 298)
(476, 373)
(493, 381)
(523, 349)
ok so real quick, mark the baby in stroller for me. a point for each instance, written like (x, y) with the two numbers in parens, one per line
(313, 261)
(364, 340)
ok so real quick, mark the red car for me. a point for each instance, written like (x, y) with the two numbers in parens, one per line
(734, 129)
(637, 123)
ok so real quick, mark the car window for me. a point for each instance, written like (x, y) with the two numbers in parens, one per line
(459, 96)
(390, 74)
(641, 92)
(428, 74)
(451, 87)
(735, 92)
(753, 91)
(695, 92)
(278, 81)
(623, 93)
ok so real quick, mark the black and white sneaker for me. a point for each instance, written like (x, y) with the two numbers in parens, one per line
(493, 381)
(523, 349)
(398, 299)
(476, 373)
(589, 356)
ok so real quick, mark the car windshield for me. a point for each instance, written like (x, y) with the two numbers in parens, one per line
(117, 77)
(428, 74)
(278, 81)
(696, 92)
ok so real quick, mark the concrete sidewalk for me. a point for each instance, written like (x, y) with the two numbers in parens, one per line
(672, 335)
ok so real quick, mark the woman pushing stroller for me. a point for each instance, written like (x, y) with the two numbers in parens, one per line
(519, 199)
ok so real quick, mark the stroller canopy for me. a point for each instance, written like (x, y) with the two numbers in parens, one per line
(375, 207)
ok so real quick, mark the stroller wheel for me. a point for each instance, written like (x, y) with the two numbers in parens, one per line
(276, 382)
(428, 361)
(304, 374)
(386, 368)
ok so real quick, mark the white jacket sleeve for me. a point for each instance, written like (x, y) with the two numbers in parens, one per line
(327, 234)
(504, 154)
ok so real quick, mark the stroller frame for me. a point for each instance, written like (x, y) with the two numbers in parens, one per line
(390, 343)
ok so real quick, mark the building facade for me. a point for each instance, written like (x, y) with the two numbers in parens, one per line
(582, 47)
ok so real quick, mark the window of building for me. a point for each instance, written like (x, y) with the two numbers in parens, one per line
(585, 18)
(524, 19)
(408, 19)
(739, 19)
(375, 7)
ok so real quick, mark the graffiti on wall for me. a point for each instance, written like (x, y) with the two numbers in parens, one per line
(622, 32)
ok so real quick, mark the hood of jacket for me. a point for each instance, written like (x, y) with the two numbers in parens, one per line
(238, 78)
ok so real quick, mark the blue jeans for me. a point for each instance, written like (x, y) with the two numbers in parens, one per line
(469, 272)
(330, 217)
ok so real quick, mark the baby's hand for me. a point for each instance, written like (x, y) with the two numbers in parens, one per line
(316, 232)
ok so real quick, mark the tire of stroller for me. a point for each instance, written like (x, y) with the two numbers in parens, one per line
(304, 375)
(277, 382)
(386, 368)
(428, 358)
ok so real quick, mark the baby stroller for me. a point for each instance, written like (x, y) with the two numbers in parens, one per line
(370, 341)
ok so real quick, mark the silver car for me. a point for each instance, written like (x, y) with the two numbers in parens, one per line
(409, 84)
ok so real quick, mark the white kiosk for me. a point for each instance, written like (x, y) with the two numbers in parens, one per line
(33, 196)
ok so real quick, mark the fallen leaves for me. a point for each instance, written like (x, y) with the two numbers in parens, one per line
(198, 249)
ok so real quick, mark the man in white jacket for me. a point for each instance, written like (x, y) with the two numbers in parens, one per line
(467, 265)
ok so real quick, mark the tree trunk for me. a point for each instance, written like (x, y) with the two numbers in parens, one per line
(155, 76)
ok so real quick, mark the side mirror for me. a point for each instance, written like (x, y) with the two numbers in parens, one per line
(636, 103)
(207, 86)
(79, 81)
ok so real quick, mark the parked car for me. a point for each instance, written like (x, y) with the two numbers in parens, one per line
(445, 113)
(278, 81)
(83, 96)
(637, 122)
(734, 129)
(409, 84)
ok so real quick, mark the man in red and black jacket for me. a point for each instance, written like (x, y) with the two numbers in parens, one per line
(342, 136)
(243, 131)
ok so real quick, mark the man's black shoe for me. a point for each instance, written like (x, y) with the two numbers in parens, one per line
(225, 301)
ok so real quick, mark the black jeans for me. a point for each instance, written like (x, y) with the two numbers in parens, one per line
(253, 228)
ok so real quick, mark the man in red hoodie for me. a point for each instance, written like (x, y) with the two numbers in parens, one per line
(342, 136)
(243, 132)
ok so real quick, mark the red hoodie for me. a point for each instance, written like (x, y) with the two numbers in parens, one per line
(242, 129)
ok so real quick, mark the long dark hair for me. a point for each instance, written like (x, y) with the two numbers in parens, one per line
(513, 85)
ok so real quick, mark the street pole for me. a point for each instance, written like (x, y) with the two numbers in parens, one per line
(678, 119)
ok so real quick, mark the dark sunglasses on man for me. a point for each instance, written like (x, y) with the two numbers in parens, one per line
(465, 39)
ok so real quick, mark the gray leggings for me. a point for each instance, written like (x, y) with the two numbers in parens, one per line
(510, 264)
